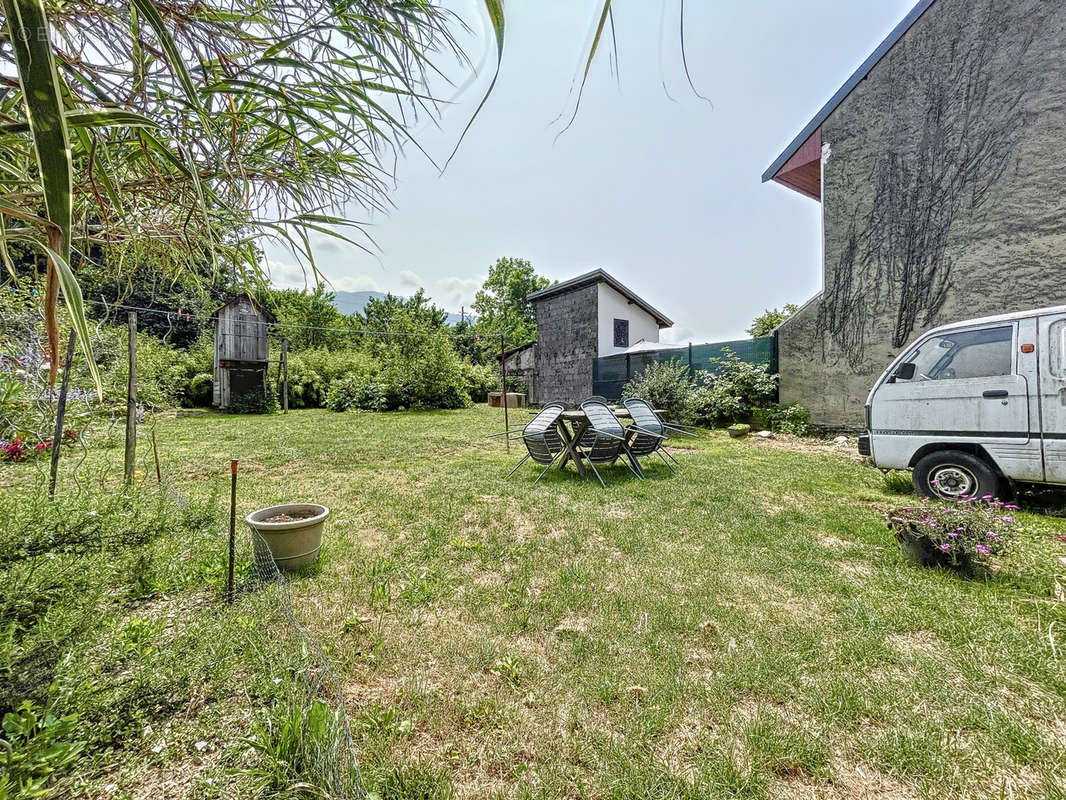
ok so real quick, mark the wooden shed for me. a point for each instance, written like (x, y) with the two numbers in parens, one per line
(242, 350)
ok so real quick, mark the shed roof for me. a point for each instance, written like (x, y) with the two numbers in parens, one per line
(857, 76)
(259, 309)
(601, 276)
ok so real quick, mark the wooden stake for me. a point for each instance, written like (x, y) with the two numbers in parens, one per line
(131, 399)
(285, 376)
(155, 455)
(503, 379)
(61, 411)
(232, 527)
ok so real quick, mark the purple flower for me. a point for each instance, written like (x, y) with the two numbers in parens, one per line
(945, 547)
(983, 550)
(992, 535)
(953, 534)
(1006, 519)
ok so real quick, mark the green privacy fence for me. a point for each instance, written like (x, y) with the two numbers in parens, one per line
(610, 373)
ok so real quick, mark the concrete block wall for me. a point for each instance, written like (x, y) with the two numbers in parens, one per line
(566, 345)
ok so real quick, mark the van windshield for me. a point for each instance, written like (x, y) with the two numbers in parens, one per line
(966, 354)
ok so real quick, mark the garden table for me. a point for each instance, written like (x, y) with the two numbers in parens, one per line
(581, 424)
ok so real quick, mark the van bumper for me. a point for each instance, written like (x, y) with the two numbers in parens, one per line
(865, 448)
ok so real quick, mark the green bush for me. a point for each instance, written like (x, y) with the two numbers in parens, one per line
(733, 392)
(312, 372)
(666, 385)
(357, 392)
(479, 381)
(200, 390)
(253, 402)
(793, 418)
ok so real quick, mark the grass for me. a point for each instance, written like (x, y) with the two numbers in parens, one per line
(746, 628)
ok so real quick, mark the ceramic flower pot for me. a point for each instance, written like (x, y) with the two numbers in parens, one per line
(292, 531)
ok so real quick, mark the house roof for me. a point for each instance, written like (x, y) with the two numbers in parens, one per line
(514, 350)
(600, 276)
(845, 90)
(259, 309)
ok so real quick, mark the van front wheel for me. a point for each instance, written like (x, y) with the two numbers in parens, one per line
(953, 475)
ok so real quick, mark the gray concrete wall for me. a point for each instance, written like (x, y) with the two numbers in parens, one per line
(944, 195)
(566, 345)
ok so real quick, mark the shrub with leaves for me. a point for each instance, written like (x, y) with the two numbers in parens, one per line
(666, 385)
(964, 534)
(357, 392)
(792, 418)
(479, 380)
(253, 401)
(733, 392)
(313, 372)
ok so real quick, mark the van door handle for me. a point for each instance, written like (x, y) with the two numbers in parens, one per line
(994, 393)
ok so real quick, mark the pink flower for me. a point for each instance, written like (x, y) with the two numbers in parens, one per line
(945, 546)
(983, 550)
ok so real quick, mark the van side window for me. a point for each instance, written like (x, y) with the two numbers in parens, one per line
(983, 353)
(1057, 351)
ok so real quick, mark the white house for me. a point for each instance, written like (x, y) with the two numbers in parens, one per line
(581, 319)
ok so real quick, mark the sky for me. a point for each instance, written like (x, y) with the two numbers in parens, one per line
(655, 185)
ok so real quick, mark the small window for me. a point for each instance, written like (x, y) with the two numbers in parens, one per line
(983, 353)
(1057, 351)
(621, 333)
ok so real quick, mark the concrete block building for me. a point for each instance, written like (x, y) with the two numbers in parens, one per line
(940, 169)
(581, 319)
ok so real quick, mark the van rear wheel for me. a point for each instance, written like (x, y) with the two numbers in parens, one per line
(953, 475)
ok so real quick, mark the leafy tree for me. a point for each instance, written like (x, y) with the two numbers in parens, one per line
(308, 318)
(412, 341)
(472, 345)
(764, 324)
(501, 303)
(382, 315)
(184, 299)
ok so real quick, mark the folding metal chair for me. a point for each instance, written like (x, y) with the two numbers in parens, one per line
(609, 439)
(542, 440)
(588, 438)
(648, 431)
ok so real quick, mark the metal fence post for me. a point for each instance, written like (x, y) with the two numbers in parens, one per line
(61, 410)
(131, 400)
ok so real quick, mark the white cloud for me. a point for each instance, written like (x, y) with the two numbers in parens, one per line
(357, 283)
(450, 292)
(454, 293)
(328, 244)
(675, 335)
(410, 280)
(286, 275)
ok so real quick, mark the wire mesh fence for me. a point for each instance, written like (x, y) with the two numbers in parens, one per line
(611, 373)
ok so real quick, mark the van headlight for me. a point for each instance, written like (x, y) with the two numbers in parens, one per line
(866, 416)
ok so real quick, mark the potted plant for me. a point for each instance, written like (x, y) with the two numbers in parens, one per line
(292, 531)
(962, 535)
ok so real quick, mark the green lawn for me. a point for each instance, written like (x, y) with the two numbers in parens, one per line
(746, 628)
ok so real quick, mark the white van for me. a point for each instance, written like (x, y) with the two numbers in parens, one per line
(975, 406)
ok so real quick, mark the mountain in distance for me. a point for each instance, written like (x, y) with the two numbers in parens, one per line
(355, 303)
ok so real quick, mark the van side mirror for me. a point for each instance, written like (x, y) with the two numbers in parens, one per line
(904, 371)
